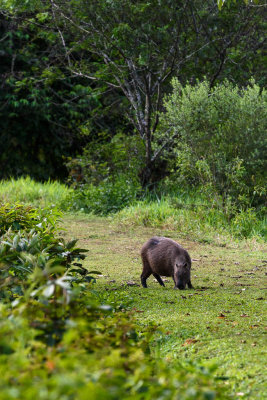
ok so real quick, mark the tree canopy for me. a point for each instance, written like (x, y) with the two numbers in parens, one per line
(84, 55)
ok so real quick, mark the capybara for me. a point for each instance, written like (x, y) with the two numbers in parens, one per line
(163, 256)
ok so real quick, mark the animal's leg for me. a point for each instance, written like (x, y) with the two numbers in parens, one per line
(146, 272)
(144, 276)
(160, 281)
(190, 286)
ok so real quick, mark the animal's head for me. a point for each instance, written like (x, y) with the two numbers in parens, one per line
(182, 273)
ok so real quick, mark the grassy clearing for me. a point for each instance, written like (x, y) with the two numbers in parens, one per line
(26, 190)
(221, 321)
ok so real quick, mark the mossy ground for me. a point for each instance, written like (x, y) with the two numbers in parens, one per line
(220, 321)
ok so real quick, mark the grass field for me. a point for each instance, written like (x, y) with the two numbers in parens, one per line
(221, 321)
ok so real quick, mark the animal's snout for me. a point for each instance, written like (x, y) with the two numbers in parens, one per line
(181, 286)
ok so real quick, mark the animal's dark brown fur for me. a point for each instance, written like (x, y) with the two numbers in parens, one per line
(163, 256)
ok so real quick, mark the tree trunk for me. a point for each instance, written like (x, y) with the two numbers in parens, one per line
(148, 169)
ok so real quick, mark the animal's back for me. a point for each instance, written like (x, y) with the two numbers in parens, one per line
(161, 254)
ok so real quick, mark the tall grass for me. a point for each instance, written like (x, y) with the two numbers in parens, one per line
(189, 214)
(28, 191)
(202, 221)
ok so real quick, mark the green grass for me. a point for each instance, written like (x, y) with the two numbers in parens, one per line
(221, 321)
(28, 191)
(194, 217)
(189, 215)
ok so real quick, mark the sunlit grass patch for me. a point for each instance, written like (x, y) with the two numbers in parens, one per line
(28, 191)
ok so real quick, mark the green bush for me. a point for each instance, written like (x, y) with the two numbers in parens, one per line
(28, 243)
(105, 176)
(218, 140)
(100, 356)
(104, 160)
(108, 197)
(23, 217)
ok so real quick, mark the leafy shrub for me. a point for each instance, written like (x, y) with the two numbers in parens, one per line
(105, 176)
(23, 217)
(108, 197)
(105, 160)
(22, 250)
(218, 140)
(85, 350)
(29, 242)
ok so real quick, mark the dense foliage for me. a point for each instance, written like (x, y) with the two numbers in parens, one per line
(29, 245)
(42, 105)
(59, 75)
(215, 140)
(38, 115)
(59, 339)
(105, 176)
(212, 145)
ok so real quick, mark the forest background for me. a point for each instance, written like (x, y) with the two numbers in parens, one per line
(133, 100)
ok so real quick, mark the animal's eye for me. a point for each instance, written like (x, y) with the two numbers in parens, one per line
(185, 265)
